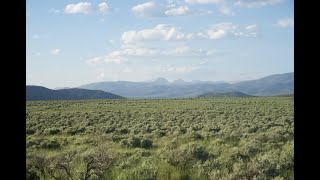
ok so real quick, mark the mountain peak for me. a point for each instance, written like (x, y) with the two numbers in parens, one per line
(160, 80)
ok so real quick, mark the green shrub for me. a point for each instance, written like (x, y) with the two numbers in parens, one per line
(200, 153)
(124, 131)
(50, 144)
(51, 131)
(196, 136)
(134, 142)
(146, 143)
(110, 130)
(161, 133)
(116, 138)
(30, 131)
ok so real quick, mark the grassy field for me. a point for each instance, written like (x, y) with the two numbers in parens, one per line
(218, 138)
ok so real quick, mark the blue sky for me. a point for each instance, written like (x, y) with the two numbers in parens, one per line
(71, 43)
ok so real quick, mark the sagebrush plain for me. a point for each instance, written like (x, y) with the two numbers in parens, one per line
(214, 138)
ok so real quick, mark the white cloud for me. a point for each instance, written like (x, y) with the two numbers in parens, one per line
(103, 8)
(186, 51)
(251, 27)
(151, 9)
(55, 51)
(160, 32)
(182, 50)
(182, 10)
(223, 30)
(95, 61)
(125, 54)
(116, 57)
(178, 69)
(145, 9)
(204, 1)
(256, 3)
(217, 34)
(82, 7)
(164, 32)
(226, 10)
(286, 22)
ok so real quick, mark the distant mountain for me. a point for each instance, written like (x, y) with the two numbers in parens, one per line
(179, 82)
(42, 93)
(160, 88)
(224, 94)
(276, 84)
(160, 81)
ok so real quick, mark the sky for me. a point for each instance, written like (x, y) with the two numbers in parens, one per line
(71, 43)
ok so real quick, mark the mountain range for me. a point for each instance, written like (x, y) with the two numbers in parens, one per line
(224, 94)
(42, 93)
(272, 85)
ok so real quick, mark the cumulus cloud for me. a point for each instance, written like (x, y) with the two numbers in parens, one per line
(226, 10)
(103, 8)
(178, 69)
(286, 22)
(151, 9)
(160, 32)
(256, 3)
(55, 51)
(123, 55)
(222, 30)
(95, 61)
(217, 33)
(145, 9)
(186, 51)
(82, 7)
(182, 10)
(113, 57)
(164, 32)
(204, 1)
(251, 27)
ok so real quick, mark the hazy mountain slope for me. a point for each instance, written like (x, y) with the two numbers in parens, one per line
(42, 93)
(268, 86)
(225, 94)
(160, 88)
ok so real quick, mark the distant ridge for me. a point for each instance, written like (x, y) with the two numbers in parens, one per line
(224, 94)
(41, 93)
(272, 85)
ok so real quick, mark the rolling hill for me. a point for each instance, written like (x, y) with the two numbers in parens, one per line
(276, 84)
(42, 93)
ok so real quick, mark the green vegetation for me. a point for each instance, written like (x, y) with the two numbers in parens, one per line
(219, 138)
